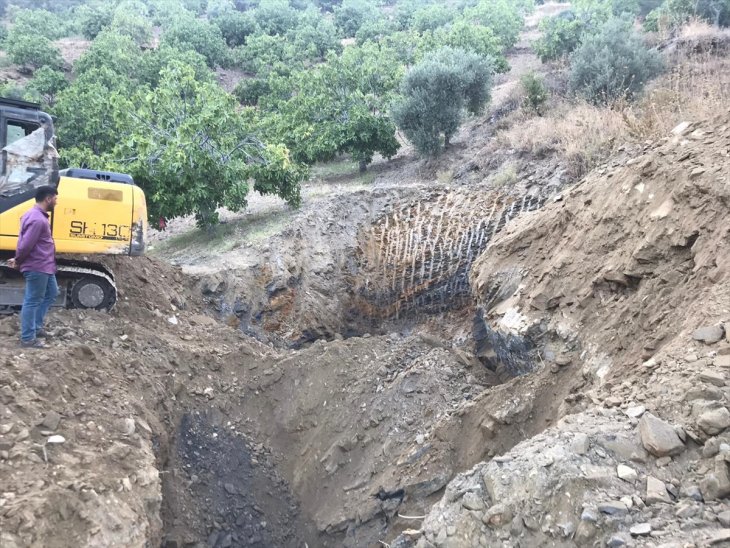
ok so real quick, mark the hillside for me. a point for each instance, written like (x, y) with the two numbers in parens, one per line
(523, 340)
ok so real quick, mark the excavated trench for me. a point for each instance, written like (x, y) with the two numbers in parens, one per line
(329, 446)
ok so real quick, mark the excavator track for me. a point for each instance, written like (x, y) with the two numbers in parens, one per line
(82, 285)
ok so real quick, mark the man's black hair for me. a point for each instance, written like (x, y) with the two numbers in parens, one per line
(44, 192)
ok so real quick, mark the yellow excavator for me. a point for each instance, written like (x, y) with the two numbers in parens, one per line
(98, 212)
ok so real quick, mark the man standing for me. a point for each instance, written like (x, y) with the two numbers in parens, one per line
(35, 257)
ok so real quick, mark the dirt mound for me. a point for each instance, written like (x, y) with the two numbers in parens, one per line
(622, 281)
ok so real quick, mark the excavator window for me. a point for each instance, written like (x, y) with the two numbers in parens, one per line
(18, 130)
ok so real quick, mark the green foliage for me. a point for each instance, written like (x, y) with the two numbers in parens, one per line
(113, 52)
(193, 152)
(47, 83)
(236, 27)
(337, 108)
(536, 94)
(469, 37)
(612, 64)
(219, 8)
(87, 111)
(315, 36)
(32, 51)
(435, 94)
(131, 18)
(249, 90)
(155, 61)
(189, 33)
(94, 17)
(673, 13)
(275, 17)
(432, 17)
(351, 15)
(37, 22)
(560, 37)
(375, 29)
(502, 16)
(263, 54)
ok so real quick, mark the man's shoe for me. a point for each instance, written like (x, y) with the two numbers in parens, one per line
(42, 334)
(35, 343)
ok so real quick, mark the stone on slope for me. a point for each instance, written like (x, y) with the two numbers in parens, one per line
(656, 491)
(659, 437)
(709, 335)
(626, 473)
(714, 421)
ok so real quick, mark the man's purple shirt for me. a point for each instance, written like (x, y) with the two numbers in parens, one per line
(36, 251)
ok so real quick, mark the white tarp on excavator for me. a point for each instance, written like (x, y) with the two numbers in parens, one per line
(29, 163)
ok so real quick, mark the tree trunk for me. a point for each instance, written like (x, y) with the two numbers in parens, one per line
(363, 166)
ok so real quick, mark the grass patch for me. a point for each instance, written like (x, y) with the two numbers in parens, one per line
(225, 237)
(335, 169)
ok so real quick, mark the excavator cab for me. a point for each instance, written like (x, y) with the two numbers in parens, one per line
(98, 212)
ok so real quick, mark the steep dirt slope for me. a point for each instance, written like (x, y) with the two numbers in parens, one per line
(623, 281)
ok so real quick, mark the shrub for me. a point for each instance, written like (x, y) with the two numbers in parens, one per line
(249, 91)
(92, 18)
(236, 27)
(612, 64)
(131, 18)
(113, 52)
(561, 35)
(432, 17)
(351, 15)
(468, 37)
(435, 94)
(536, 94)
(189, 33)
(275, 17)
(34, 51)
(502, 16)
(47, 83)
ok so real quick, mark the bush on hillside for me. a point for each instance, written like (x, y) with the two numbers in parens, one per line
(275, 17)
(351, 15)
(435, 94)
(561, 35)
(131, 18)
(189, 33)
(613, 64)
(432, 17)
(47, 83)
(38, 22)
(236, 27)
(472, 38)
(94, 17)
(249, 90)
(536, 94)
(111, 51)
(502, 16)
(32, 51)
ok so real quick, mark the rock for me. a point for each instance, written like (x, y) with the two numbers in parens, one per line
(626, 473)
(714, 421)
(659, 437)
(23, 435)
(584, 533)
(722, 361)
(711, 448)
(716, 485)
(656, 491)
(127, 426)
(230, 488)
(712, 377)
(681, 128)
(613, 508)
(618, 539)
(589, 514)
(704, 392)
(693, 492)
(663, 461)
(581, 444)
(724, 518)
(472, 501)
(497, 515)
(686, 510)
(640, 529)
(635, 412)
(720, 537)
(51, 420)
(56, 439)
(709, 335)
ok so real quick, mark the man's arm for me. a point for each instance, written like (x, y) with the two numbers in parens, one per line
(27, 240)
